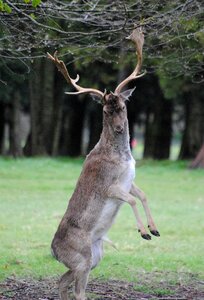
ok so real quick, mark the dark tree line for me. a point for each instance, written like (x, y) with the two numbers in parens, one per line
(57, 120)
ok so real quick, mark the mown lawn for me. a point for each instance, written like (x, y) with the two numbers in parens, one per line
(33, 198)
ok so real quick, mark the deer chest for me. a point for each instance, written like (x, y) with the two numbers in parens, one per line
(125, 175)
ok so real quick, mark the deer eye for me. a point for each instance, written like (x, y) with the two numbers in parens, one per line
(123, 107)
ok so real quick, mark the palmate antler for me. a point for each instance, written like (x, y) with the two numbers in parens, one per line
(80, 90)
(137, 37)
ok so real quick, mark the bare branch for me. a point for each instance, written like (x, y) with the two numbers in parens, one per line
(173, 29)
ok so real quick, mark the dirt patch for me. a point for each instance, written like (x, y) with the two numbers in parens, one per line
(146, 288)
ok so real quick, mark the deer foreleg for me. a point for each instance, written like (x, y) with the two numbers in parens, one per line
(115, 192)
(135, 191)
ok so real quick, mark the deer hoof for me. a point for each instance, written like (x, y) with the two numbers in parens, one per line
(146, 236)
(155, 232)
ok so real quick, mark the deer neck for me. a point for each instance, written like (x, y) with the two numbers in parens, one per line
(112, 142)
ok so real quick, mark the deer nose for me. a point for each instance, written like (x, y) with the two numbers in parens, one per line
(119, 129)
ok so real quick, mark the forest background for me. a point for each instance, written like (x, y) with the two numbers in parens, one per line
(167, 107)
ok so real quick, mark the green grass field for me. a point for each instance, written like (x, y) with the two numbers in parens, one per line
(34, 195)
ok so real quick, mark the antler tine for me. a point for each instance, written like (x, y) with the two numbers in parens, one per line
(62, 68)
(137, 37)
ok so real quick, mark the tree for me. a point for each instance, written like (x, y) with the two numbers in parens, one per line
(93, 26)
(194, 119)
(46, 93)
(72, 127)
(190, 96)
(12, 93)
(91, 32)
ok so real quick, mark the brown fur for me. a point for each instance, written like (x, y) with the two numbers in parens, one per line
(104, 184)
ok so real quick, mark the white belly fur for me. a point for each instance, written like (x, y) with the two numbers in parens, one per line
(112, 206)
(126, 178)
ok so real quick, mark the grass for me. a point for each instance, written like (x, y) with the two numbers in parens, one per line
(34, 195)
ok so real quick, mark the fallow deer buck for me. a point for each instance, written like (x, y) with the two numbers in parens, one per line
(105, 183)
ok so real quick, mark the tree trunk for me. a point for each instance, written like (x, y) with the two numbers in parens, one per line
(35, 143)
(57, 131)
(41, 90)
(163, 130)
(148, 136)
(15, 148)
(2, 127)
(158, 126)
(95, 122)
(48, 113)
(194, 119)
(72, 127)
(57, 112)
(133, 111)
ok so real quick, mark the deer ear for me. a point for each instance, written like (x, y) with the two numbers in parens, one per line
(126, 94)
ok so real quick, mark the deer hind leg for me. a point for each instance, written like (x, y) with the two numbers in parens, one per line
(97, 252)
(81, 278)
(115, 192)
(135, 191)
(75, 254)
(65, 281)
(80, 269)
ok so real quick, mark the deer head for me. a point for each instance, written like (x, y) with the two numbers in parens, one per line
(115, 112)
(118, 97)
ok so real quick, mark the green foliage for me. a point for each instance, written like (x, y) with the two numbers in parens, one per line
(190, 25)
(190, 36)
(34, 195)
(172, 88)
(4, 7)
(200, 36)
(33, 16)
(35, 3)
